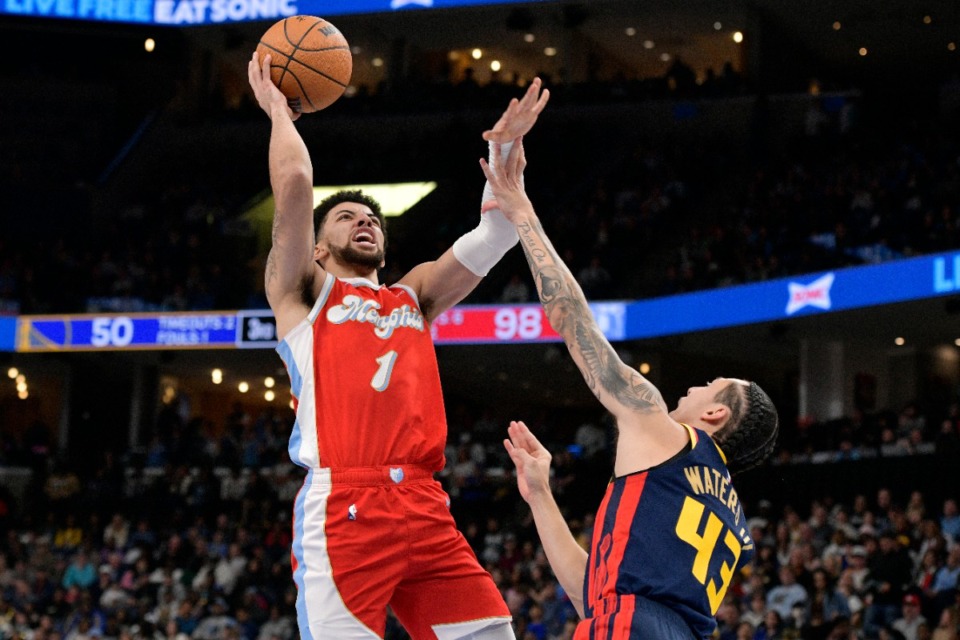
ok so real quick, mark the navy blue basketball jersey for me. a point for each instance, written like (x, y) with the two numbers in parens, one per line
(673, 535)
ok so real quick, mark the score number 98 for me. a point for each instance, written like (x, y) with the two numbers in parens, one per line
(518, 323)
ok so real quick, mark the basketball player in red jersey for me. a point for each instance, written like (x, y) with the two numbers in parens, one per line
(372, 528)
(670, 532)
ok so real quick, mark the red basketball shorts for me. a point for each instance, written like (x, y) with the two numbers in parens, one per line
(369, 538)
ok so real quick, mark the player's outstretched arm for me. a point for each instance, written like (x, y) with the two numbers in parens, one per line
(621, 389)
(447, 281)
(290, 265)
(567, 558)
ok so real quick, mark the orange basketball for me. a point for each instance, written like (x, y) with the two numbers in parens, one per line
(310, 61)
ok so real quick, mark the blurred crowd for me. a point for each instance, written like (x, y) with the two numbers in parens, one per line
(648, 220)
(189, 537)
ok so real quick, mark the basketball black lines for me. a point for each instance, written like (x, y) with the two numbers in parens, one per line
(296, 47)
(318, 62)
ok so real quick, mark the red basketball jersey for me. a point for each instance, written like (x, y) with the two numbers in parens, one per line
(364, 376)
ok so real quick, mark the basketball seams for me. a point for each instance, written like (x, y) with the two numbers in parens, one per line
(322, 49)
(318, 72)
(303, 91)
(318, 69)
(296, 47)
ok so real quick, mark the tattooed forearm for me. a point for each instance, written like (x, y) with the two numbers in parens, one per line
(569, 313)
(534, 252)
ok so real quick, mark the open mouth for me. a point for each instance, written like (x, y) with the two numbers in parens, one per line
(365, 238)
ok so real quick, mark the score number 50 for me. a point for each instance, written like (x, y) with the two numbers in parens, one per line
(111, 332)
(518, 323)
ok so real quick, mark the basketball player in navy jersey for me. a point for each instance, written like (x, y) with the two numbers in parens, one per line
(670, 532)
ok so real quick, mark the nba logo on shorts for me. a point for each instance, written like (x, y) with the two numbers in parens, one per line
(396, 474)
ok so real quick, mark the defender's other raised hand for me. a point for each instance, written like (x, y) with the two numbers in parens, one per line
(531, 459)
(267, 94)
(520, 115)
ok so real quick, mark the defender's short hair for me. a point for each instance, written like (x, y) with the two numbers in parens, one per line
(750, 435)
(355, 195)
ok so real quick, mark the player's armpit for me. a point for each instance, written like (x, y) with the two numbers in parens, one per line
(440, 284)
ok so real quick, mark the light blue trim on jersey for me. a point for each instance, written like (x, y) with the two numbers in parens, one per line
(296, 386)
(296, 380)
(293, 446)
(410, 291)
(303, 620)
(322, 298)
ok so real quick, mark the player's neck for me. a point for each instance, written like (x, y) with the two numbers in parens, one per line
(352, 271)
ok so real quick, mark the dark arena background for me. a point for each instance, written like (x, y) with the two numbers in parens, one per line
(761, 189)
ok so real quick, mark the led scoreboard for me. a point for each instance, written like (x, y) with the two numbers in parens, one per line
(772, 300)
(257, 329)
(127, 331)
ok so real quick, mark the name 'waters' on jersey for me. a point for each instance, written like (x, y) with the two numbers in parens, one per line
(363, 372)
(674, 534)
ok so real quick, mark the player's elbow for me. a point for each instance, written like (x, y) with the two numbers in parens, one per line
(293, 185)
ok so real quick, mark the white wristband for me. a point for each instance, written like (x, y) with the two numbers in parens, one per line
(504, 152)
(480, 249)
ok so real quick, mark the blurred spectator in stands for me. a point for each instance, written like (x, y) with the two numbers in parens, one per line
(595, 279)
(217, 624)
(81, 572)
(910, 418)
(728, 620)
(950, 520)
(825, 603)
(785, 595)
(591, 439)
(891, 446)
(948, 627)
(277, 626)
(911, 619)
(927, 572)
(947, 580)
(772, 628)
(117, 532)
(516, 291)
(536, 626)
(890, 571)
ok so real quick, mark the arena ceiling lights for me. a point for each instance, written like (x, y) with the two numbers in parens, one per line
(395, 199)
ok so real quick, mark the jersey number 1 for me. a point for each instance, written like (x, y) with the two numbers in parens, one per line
(688, 530)
(381, 379)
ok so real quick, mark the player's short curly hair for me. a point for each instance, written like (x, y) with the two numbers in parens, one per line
(355, 195)
(749, 436)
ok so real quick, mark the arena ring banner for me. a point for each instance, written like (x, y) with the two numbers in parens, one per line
(184, 13)
(890, 282)
(257, 329)
(826, 292)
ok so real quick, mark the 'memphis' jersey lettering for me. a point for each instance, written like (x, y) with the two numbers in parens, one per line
(357, 309)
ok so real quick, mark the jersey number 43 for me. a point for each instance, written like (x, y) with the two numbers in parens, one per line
(688, 529)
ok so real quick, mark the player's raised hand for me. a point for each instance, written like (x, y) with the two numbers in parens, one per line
(520, 115)
(506, 183)
(531, 459)
(265, 91)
